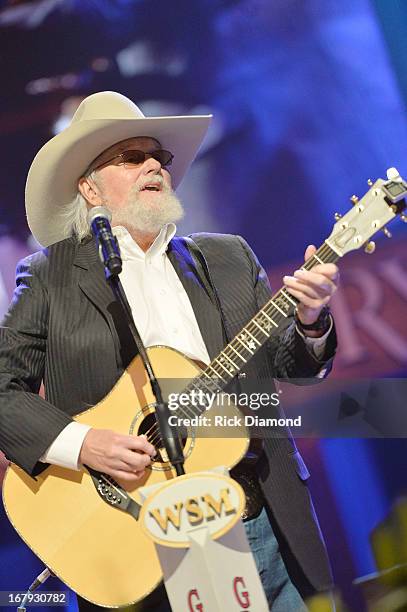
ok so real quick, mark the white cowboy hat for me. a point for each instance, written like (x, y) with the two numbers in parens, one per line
(101, 120)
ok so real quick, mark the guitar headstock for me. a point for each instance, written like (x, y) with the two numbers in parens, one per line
(371, 213)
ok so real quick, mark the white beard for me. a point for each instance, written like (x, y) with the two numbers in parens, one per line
(149, 211)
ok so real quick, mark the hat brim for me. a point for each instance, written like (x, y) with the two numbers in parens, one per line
(52, 181)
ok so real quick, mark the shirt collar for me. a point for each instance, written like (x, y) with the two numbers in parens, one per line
(129, 249)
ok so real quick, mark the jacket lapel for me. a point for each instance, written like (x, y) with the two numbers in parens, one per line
(206, 312)
(94, 285)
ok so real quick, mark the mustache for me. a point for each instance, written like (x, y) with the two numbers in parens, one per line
(158, 179)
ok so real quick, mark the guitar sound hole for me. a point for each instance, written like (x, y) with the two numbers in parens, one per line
(149, 427)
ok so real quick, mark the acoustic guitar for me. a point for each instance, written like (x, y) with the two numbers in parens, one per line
(83, 525)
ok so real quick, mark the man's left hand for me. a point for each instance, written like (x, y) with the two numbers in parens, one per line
(313, 289)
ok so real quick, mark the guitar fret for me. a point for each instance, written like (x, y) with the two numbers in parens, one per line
(222, 366)
(210, 367)
(244, 346)
(284, 303)
(254, 338)
(259, 326)
(278, 308)
(191, 410)
(269, 318)
(203, 373)
(318, 259)
(289, 298)
(233, 364)
(214, 387)
(237, 353)
(203, 382)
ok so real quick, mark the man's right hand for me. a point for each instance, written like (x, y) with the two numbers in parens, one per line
(122, 457)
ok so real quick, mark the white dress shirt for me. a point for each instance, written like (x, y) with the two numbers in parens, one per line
(163, 315)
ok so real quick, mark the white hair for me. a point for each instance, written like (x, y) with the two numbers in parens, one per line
(75, 215)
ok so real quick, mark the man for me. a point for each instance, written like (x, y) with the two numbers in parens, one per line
(61, 326)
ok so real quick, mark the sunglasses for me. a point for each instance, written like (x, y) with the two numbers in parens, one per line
(135, 158)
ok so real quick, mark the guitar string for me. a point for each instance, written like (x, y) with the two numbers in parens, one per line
(324, 250)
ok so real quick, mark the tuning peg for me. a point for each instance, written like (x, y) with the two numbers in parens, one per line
(339, 216)
(403, 217)
(354, 199)
(386, 232)
(393, 174)
(369, 182)
(370, 247)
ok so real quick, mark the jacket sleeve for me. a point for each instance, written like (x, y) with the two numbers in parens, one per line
(28, 423)
(290, 356)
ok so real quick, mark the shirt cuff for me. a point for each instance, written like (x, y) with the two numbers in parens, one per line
(316, 345)
(65, 449)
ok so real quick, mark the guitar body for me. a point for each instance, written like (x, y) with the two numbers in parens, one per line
(97, 550)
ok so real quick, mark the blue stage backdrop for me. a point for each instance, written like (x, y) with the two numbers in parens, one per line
(309, 102)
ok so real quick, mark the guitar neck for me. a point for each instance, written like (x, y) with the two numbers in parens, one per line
(257, 331)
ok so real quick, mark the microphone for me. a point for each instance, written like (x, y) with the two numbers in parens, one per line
(99, 219)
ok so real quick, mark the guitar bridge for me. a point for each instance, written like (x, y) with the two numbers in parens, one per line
(113, 494)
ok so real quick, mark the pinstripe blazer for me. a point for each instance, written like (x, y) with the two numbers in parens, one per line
(64, 327)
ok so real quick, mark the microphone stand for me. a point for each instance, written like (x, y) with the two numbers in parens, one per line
(169, 434)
